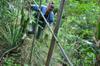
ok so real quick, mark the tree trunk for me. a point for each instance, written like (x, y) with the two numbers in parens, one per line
(97, 60)
(53, 40)
(98, 43)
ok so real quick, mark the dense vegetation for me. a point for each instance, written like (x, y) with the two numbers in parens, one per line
(78, 33)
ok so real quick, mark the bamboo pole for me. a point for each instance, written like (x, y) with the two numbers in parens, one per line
(58, 43)
(34, 39)
(53, 40)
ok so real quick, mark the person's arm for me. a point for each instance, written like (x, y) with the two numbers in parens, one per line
(35, 7)
(51, 18)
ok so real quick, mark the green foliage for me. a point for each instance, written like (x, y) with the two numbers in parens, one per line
(11, 32)
(10, 62)
(78, 29)
(76, 32)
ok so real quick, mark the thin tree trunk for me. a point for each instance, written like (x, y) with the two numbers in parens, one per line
(98, 43)
(55, 32)
(98, 40)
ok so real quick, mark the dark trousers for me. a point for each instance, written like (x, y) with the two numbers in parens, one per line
(40, 24)
(41, 27)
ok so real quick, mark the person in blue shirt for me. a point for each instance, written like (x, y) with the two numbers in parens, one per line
(48, 13)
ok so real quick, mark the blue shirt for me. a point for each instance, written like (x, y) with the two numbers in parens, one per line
(50, 17)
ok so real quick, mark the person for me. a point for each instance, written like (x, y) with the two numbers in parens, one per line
(48, 13)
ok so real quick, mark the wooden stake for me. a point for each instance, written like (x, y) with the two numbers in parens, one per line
(55, 32)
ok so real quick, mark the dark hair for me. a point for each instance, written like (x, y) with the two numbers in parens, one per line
(52, 4)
